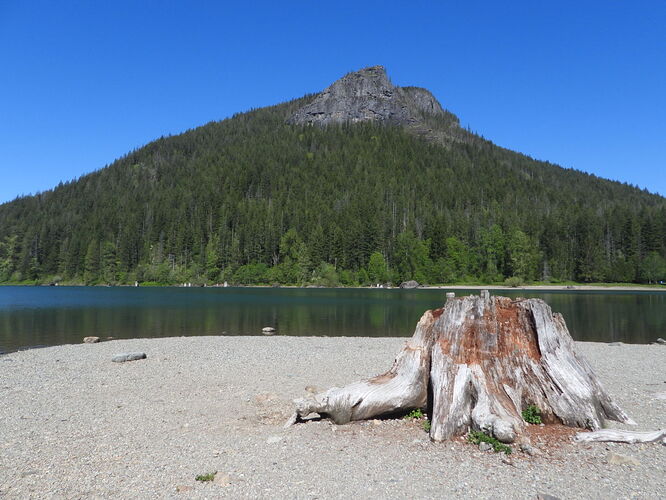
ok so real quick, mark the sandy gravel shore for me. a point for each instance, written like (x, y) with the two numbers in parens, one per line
(75, 425)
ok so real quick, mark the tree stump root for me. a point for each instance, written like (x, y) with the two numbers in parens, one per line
(476, 364)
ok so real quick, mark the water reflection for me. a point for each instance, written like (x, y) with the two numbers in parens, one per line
(32, 316)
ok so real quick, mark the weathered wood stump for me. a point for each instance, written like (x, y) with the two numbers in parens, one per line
(477, 363)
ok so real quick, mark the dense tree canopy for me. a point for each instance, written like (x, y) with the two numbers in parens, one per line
(253, 200)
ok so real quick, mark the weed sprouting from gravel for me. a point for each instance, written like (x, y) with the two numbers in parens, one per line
(477, 437)
(414, 414)
(532, 415)
(206, 477)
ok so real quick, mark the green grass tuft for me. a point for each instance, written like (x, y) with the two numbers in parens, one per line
(414, 414)
(532, 415)
(477, 437)
(206, 477)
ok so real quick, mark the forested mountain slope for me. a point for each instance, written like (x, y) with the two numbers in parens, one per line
(261, 198)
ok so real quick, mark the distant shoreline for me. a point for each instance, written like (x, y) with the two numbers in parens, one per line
(567, 287)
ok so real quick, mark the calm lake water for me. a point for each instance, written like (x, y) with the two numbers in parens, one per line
(39, 316)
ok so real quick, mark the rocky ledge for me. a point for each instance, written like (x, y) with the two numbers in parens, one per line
(368, 95)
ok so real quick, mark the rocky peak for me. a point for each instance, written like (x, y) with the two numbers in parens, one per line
(366, 83)
(367, 95)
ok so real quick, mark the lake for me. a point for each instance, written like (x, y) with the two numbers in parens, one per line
(42, 316)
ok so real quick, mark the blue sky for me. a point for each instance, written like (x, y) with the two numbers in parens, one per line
(580, 84)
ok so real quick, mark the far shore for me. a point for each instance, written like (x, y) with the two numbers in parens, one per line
(568, 288)
(554, 287)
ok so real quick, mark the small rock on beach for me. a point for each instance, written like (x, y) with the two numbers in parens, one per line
(128, 356)
(483, 446)
(409, 284)
(617, 459)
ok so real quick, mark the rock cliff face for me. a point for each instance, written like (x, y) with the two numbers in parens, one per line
(368, 95)
(422, 99)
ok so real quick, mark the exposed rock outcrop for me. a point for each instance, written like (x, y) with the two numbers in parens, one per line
(368, 95)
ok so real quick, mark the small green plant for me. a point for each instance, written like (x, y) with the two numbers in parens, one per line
(532, 414)
(206, 477)
(476, 437)
(426, 425)
(514, 281)
(414, 414)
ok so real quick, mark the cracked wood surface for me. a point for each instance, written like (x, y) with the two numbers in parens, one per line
(476, 364)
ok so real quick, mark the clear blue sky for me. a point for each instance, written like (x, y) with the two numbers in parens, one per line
(580, 84)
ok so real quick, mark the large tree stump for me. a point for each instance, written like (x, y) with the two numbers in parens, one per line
(477, 363)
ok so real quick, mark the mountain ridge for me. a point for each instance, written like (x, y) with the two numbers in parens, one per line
(257, 199)
(367, 95)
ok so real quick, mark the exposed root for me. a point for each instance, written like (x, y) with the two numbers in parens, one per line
(618, 436)
(403, 387)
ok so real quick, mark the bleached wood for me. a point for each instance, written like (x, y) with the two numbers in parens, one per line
(403, 387)
(483, 360)
(619, 436)
(493, 357)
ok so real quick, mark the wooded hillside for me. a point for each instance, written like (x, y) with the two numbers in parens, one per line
(252, 199)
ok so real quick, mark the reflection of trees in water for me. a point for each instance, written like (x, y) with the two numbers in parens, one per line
(607, 317)
(633, 317)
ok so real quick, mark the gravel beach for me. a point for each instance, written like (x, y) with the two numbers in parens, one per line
(73, 424)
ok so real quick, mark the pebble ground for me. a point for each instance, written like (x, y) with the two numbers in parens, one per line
(75, 425)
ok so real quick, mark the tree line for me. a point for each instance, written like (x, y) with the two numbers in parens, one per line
(252, 200)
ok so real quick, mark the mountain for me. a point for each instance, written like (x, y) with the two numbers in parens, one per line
(364, 96)
(363, 182)
(369, 96)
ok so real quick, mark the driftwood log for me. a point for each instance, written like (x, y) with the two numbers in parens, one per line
(619, 436)
(476, 364)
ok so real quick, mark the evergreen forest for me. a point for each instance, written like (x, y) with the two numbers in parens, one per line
(253, 200)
